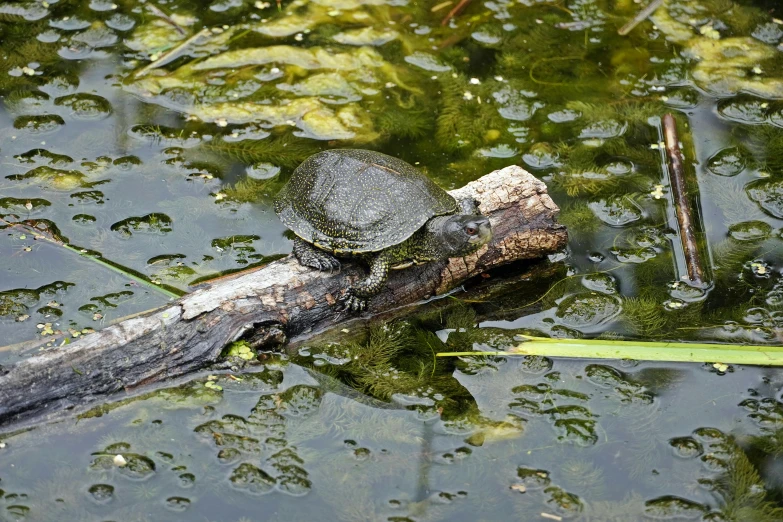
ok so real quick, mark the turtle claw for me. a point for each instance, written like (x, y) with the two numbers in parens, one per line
(352, 303)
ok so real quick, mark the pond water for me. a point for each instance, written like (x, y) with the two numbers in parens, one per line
(142, 143)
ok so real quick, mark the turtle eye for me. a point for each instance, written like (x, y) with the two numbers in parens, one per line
(471, 231)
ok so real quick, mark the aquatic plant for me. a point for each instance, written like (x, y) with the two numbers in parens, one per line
(742, 490)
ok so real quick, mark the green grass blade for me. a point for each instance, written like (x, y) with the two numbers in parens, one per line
(168, 292)
(56, 239)
(762, 355)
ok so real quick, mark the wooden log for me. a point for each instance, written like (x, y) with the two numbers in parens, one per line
(268, 306)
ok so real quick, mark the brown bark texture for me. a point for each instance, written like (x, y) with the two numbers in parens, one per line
(279, 301)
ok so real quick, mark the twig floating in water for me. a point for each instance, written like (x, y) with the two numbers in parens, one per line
(160, 14)
(173, 54)
(640, 16)
(454, 12)
(681, 203)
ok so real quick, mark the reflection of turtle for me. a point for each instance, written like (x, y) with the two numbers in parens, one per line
(363, 203)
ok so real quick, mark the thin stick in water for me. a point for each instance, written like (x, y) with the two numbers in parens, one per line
(454, 12)
(640, 16)
(174, 53)
(157, 11)
(681, 203)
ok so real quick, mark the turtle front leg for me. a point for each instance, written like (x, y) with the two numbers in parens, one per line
(357, 296)
(308, 255)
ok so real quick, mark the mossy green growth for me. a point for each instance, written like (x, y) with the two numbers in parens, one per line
(239, 349)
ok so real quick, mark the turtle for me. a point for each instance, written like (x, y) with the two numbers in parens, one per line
(349, 203)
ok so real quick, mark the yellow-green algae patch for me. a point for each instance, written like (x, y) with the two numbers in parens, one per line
(312, 58)
(366, 36)
(311, 116)
(727, 66)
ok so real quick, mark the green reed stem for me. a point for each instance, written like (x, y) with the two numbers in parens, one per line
(763, 355)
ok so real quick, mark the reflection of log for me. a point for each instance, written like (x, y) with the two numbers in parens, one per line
(681, 203)
(265, 306)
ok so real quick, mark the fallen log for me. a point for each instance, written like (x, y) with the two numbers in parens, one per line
(273, 304)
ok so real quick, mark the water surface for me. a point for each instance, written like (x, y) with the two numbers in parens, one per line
(161, 159)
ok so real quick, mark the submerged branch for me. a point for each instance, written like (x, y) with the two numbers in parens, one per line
(157, 11)
(173, 53)
(455, 11)
(640, 17)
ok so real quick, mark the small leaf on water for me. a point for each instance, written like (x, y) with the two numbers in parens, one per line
(119, 461)
(23, 317)
(211, 385)
(721, 367)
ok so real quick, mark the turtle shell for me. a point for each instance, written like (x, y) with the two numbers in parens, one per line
(356, 201)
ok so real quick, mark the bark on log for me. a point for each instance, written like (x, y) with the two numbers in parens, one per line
(190, 334)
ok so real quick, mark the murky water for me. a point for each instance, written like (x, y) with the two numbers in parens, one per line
(153, 138)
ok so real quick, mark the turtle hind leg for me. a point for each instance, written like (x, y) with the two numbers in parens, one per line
(308, 255)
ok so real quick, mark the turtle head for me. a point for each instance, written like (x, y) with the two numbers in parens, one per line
(456, 236)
